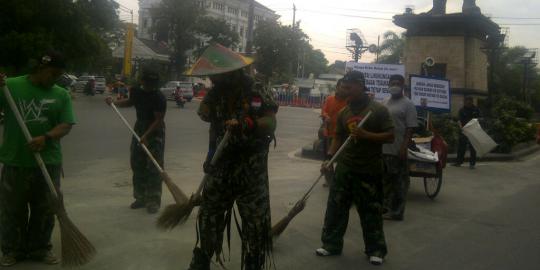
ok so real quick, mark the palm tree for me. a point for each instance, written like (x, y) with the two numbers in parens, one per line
(391, 49)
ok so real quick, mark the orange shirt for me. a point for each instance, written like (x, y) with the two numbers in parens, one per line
(331, 108)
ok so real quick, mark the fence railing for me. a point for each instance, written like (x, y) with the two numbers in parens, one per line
(295, 100)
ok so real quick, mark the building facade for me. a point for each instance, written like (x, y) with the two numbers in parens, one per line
(234, 12)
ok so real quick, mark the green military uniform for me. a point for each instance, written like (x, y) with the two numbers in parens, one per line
(147, 184)
(26, 217)
(358, 180)
(240, 176)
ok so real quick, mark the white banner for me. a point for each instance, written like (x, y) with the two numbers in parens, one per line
(377, 76)
(431, 93)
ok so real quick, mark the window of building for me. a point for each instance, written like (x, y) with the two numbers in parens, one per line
(145, 23)
(234, 28)
(218, 6)
(244, 14)
(241, 31)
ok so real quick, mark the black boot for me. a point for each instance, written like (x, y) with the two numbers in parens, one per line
(470, 7)
(200, 260)
(439, 7)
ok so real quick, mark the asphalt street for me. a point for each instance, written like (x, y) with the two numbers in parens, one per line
(486, 218)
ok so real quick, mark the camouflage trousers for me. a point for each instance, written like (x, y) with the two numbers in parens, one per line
(246, 183)
(396, 184)
(365, 191)
(147, 185)
(26, 216)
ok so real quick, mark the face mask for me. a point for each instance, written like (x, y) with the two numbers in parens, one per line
(395, 90)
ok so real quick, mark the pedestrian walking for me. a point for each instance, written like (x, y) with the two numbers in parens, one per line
(466, 114)
(329, 113)
(358, 174)
(396, 173)
(26, 214)
(247, 110)
(150, 106)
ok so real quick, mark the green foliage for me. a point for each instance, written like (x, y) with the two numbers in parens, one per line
(281, 48)
(391, 49)
(185, 25)
(447, 128)
(510, 124)
(29, 27)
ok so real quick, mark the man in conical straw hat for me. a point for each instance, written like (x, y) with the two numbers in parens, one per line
(244, 108)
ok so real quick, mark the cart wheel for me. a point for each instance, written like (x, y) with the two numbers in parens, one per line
(432, 185)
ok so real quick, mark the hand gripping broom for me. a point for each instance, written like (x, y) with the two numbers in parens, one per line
(76, 249)
(279, 227)
(178, 214)
(179, 197)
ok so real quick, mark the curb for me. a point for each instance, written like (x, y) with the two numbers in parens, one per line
(307, 152)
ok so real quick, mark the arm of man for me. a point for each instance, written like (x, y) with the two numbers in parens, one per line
(158, 123)
(386, 134)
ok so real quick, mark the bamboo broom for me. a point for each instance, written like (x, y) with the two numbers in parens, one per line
(179, 197)
(76, 249)
(178, 214)
(279, 227)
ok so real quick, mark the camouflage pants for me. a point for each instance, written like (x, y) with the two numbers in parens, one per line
(365, 191)
(246, 183)
(147, 186)
(26, 217)
(396, 184)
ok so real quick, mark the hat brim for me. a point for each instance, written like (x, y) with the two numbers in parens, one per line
(218, 59)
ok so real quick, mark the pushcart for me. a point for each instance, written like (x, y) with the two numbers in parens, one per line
(431, 173)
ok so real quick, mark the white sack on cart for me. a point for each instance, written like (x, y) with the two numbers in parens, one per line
(479, 139)
(424, 155)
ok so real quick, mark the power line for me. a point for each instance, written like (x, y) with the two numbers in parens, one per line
(345, 15)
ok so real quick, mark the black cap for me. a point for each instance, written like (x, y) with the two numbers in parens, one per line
(53, 59)
(397, 77)
(354, 76)
(150, 74)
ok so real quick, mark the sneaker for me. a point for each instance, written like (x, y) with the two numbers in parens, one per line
(137, 204)
(8, 260)
(472, 167)
(50, 258)
(152, 208)
(325, 253)
(375, 260)
(391, 216)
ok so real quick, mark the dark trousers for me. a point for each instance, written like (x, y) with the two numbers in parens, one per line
(462, 148)
(396, 184)
(26, 216)
(147, 184)
(366, 192)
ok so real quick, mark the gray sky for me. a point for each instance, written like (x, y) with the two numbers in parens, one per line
(326, 22)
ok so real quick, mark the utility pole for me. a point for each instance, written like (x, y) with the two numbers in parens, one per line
(251, 15)
(294, 16)
(378, 46)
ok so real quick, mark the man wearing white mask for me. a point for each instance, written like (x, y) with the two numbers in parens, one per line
(396, 174)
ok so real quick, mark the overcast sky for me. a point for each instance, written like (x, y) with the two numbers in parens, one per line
(326, 22)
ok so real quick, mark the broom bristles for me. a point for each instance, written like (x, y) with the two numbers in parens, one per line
(280, 227)
(178, 195)
(174, 215)
(76, 248)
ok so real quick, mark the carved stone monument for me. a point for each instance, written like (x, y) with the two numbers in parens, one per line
(455, 42)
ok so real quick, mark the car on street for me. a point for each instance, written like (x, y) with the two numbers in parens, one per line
(186, 87)
(100, 83)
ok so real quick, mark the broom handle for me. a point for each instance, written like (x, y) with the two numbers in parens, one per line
(28, 137)
(215, 158)
(138, 138)
(336, 155)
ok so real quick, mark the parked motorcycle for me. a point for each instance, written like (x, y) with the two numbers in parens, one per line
(179, 98)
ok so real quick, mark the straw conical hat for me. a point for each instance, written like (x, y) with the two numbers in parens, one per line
(218, 59)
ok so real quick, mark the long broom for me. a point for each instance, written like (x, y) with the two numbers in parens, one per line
(179, 197)
(279, 227)
(179, 214)
(76, 249)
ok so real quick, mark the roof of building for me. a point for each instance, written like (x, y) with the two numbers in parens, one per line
(141, 51)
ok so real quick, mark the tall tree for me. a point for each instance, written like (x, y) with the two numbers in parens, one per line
(29, 27)
(391, 49)
(216, 30)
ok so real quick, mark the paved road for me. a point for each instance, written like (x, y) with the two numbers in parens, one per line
(483, 219)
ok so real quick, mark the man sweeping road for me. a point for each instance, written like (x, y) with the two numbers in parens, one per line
(245, 109)
(26, 215)
(358, 177)
(150, 105)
